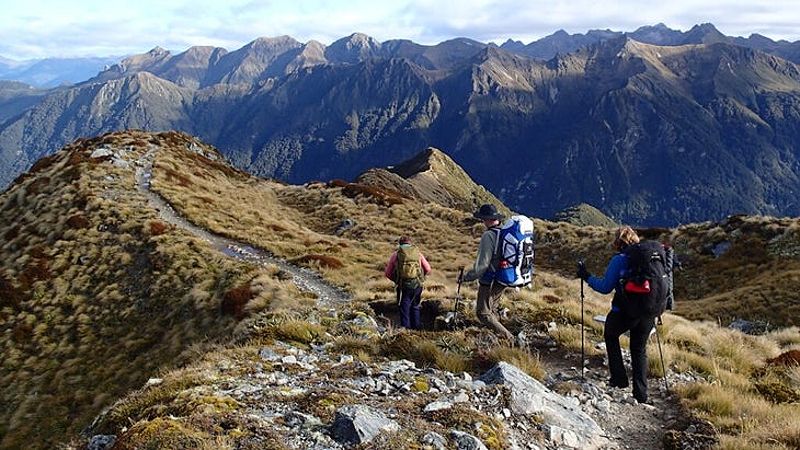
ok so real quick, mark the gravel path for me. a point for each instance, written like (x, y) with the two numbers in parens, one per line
(305, 279)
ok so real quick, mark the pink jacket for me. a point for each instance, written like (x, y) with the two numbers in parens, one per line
(389, 272)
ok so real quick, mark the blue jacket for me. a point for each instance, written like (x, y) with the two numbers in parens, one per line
(617, 269)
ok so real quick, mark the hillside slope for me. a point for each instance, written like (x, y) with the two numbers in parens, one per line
(97, 293)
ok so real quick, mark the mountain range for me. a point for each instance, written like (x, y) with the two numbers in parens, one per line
(659, 34)
(695, 128)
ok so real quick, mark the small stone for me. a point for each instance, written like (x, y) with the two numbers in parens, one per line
(466, 441)
(154, 381)
(102, 442)
(438, 406)
(269, 355)
(506, 413)
(461, 397)
(346, 359)
(290, 359)
(101, 153)
(435, 440)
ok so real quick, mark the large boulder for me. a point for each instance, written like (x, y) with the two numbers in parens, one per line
(357, 424)
(529, 396)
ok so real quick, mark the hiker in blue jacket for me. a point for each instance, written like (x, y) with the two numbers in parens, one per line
(618, 320)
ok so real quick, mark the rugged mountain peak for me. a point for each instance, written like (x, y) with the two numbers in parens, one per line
(704, 33)
(273, 42)
(512, 45)
(352, 49)
(158, 52)
(433, 176)
(312, 53)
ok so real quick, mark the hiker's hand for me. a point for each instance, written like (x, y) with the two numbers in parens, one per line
(582, 273)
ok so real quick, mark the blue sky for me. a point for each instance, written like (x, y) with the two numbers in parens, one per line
(48, 28)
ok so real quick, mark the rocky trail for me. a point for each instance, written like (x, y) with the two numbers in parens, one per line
(585, 413)
(305, 279)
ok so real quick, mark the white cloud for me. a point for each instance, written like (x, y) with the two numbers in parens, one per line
(38, 28)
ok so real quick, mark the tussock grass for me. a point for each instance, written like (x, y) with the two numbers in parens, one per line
(96, 293)
(529, 363)
(488, 429)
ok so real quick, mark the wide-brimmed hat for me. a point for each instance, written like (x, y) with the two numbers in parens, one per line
(487, 212)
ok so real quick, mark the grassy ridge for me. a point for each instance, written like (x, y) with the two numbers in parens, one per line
(96, 294)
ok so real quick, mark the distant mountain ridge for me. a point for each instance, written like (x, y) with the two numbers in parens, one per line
(562, 42)
(649, 134)
(53, 72)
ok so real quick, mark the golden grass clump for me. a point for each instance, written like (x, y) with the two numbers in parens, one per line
(322, 261)
(523, 359)
(298, 331)
(488, 429)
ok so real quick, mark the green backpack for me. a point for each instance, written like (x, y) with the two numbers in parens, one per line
(408, 271)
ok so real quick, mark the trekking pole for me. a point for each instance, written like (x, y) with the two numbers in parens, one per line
(661, 353)
(458, 295)
(583, 351)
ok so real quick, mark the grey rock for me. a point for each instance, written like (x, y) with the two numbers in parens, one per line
(358, 424)
(296, 419)
(435, 440)
(561, 437)
(269, 354)
(721, 248)
(343, 226)
(466, 441)
(437, 406)
(461, 397)
(102, 442)
(102, 152)
(528, 396)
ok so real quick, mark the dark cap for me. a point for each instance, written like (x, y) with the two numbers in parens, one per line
(404, 240)
(487, 212)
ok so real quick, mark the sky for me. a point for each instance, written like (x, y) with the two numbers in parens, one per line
(78, 28)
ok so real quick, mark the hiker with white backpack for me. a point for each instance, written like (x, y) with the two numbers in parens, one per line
(505, 259)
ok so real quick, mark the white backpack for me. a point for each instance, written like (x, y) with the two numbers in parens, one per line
(514, 252)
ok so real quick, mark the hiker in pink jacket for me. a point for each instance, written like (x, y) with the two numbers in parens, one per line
(407, 267)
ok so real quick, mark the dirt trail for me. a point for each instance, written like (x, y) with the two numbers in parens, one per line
(305, 279)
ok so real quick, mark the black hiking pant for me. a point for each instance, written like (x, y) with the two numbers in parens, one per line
(410, 298)
(618, 322)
